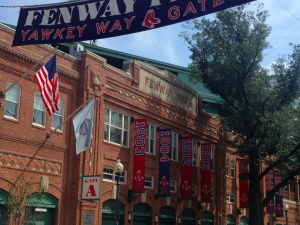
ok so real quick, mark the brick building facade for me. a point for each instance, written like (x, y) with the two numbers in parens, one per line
(139, 90)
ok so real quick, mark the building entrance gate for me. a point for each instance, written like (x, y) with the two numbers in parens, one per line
(207, 218)
(188, 217)
(109, 212)
(142, 214)
(167, 215)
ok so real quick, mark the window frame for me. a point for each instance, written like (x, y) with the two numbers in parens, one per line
(174, 186)
(62, 105)
(230, 195)
(122, 129)
(114, 175)
(227, 166)
(232, 168)
(149, 140)
(18, 103)
(152, 181)
(177, 137)
(45, 111)
(195, 187)
(195, 147)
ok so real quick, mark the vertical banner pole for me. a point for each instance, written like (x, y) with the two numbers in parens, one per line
(186, 167)
(206, 172)
(140, 126)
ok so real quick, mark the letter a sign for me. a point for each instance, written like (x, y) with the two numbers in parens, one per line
(91, 187)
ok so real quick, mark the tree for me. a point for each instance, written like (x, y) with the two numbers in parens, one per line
(20, 201)
(260, 106)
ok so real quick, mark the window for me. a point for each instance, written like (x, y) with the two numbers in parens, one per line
(174, 146)
(232, 168)
(194, 156)
(293, 185)
(227, 166)
(58, 116)
(230, 198)
(148, 181)
(39, 111)
(173, 186)
(194, 190)
(109, 175)
(212, 158)
(116, 127)
(212, 193)
(12, 102)
(150, 139)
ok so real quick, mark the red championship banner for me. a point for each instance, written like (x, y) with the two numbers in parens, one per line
(244, 187)
(186, 167)
(140, 126)
(206, 172)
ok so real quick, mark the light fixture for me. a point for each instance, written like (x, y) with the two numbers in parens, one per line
(48, 137)
(129, 217)
(286, 207)
(275, 219)
(239, 211)
(200, 205)
(199, 221)
(156, 219)
(118, 168)
(179, 220)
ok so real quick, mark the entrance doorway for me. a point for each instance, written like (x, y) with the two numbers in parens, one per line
(142, 214)
(207, 218)
(167, 215)
(109, 212)
(188, 217)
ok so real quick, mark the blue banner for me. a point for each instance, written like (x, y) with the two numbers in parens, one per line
(270, 183)
(89, 20)
(278, 197)
(164, 162)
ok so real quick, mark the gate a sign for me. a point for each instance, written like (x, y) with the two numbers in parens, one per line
(91, 187)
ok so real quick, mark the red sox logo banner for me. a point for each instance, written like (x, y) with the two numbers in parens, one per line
(278, 196)
(89, 20)
(243, 184)
(186, 167)
(269, 187)
(206, 172)
(164, 162)
(139, 155)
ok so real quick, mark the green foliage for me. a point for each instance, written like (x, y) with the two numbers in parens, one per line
(20, 201)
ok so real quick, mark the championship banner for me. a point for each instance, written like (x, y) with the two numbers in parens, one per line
(243, 184)
(269, 187)
(186, 167)
(140, 126)
(90, 20)
(164, 162)
(278, 197)
(206, 172)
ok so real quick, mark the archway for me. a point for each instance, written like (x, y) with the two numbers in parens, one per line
(167, 215)
(231, 219)
(244, 220)
(109, 212)
(41, 209)
(207, 218)
(188, 217)
(142, 214)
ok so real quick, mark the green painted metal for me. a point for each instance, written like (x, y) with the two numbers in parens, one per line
(1, 214)
(109, 207)
(142, 214)
(188, 217)
(231, 219)
(244, 220)
(167, 215)
(43, 218)
(48, 202)
(3, 195)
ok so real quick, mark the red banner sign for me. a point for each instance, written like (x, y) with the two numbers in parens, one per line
(140, 126)
(206, 172)
(186, 167)
(244, 187)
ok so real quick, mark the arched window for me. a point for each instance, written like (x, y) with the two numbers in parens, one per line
(39, 110)
(244, 220)
(231, 220)
(188, 216)
(227, 166)
(12, 102)
(207, 218)
(232, 168)
(58, 116)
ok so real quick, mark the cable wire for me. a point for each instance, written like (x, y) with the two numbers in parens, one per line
(288, 10)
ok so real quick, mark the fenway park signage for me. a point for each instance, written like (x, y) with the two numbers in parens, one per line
(88, 20)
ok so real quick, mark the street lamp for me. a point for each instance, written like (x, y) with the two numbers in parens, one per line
(118, 168)
(286, 209)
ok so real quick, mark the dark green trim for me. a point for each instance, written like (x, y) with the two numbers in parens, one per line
(3, 195)
(142, 214)
(48, 202)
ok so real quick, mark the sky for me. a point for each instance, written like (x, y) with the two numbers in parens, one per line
(164, 44)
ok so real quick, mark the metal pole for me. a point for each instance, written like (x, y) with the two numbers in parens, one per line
(286, 215)
(117, 200)
(2, 94)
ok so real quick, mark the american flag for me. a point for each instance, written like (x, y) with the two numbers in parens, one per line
(47, 79)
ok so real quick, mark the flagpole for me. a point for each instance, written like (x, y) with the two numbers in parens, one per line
(2, 94)
(48, 136)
